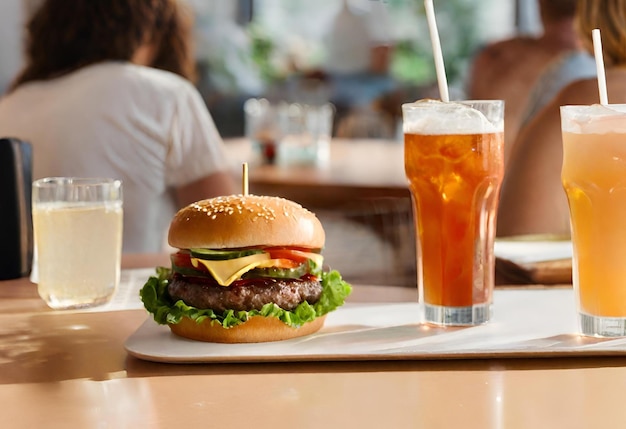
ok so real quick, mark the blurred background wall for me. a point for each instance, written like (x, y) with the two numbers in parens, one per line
(263, 48)
(11, 22)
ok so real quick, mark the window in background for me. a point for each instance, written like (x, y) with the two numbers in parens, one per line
(11, 18)
(527, 17)
(289, 35)
(286, 40)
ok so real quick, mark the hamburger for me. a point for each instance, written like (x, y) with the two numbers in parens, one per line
(248, 269)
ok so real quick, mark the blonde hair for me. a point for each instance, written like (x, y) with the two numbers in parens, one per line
(610, 17)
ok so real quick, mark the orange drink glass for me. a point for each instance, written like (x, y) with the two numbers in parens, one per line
(594, 178)
(454, 163)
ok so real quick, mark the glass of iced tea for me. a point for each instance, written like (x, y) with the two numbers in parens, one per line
(77, 225)
(594, 179)
(454, 163)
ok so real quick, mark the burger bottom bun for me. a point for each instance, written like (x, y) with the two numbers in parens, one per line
(256, 330)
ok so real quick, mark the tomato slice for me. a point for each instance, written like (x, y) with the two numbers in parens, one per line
(182, 259)
(297, 255)
(285, 262)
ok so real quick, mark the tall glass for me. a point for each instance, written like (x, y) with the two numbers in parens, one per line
(594, 178)
(77, 225)
(454, 163)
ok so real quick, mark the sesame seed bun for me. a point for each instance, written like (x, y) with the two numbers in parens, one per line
(238, 221)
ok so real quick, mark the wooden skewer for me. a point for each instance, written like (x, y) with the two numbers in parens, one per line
(244, 178)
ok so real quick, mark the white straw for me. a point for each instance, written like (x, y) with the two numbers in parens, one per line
(434, 39)
(597, 50)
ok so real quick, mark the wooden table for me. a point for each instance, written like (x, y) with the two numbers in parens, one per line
(356, 170)
(70, 370)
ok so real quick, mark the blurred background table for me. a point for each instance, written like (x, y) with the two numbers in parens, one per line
(357, 170)
(361, 197)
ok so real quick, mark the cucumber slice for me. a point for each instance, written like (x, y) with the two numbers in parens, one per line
(219, 255)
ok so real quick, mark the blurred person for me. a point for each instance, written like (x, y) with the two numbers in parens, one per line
(106, 91)
(359, 41)
(359, 48)
(509, 69)
(566, 68)
(533, 200)
(173, 48)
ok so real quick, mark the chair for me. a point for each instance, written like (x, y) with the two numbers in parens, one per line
(366, 123)
(16, 231)
(372, 241)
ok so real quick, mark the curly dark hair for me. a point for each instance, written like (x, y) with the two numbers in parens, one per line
(66, 35)
(175, 51)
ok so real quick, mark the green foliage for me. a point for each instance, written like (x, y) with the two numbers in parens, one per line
(412, 61)
(262, 52)
(457, 24)
(409, 65)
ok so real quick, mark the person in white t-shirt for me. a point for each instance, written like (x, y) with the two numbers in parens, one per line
(355, 40)
(106, 93)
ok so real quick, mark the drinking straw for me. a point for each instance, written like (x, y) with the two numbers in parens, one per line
(597, 50)
(434, 39)
(244, 179)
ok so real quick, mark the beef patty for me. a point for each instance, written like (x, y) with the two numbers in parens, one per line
(245, 295)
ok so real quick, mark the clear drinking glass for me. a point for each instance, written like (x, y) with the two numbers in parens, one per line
(594, 179)
(305, 133)
(454, 164)
(261, 128)
(77, 225)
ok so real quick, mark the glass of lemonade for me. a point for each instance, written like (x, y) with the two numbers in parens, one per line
(454, 163)
(77, 225)
(594, 178)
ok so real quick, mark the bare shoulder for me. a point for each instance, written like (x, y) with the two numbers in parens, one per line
(505, 50)
(586, 91)
(583, 91)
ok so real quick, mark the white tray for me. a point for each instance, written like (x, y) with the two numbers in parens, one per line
(527, 323)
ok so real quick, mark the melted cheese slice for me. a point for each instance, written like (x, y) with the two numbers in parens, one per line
(227, 271)
(315, 257)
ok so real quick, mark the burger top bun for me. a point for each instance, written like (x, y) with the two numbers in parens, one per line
(237, 221)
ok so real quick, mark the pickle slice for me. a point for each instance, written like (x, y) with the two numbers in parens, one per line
(278, 273)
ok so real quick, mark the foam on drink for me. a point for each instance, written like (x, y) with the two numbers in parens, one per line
(596, 119)
(449, 118)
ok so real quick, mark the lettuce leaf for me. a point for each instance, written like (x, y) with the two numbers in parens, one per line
(165, 311)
